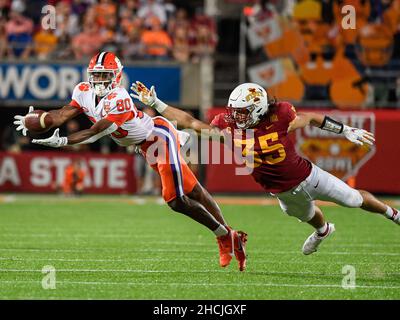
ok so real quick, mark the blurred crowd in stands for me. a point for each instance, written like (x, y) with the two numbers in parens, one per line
(351, 67)
(134, 29)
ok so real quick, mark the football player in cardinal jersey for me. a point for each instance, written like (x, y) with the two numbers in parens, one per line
(111, 110)
(293, 180)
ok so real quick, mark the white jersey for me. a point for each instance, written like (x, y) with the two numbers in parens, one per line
(117, 106)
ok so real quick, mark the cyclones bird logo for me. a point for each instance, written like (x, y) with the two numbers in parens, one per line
(334, 153)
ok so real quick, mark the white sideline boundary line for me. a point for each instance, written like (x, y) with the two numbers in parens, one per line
(196, 284)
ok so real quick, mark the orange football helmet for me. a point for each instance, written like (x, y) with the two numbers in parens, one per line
(104, 73)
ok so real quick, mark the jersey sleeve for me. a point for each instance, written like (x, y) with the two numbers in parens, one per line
(287, 112)
(121, 106)
(77, 99)
(219, 121)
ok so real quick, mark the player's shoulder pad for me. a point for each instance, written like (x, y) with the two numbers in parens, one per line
(82, 87)
(285, 106)
(286, 110)
(80, 90)
(117, 94)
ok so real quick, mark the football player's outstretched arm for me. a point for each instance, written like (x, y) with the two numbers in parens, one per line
(183, 119)
(59, 116)
(94, 133)
(304, 119)
(62, 115)
(355, 135)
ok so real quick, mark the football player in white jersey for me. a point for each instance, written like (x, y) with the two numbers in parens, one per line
(111, 110)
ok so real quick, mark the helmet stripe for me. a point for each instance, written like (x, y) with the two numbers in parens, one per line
(100, 58)
(103, 58)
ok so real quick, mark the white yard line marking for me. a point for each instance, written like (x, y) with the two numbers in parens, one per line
(206, 259)
(338, 243)
(147, 250)
(105, 260)
(195, 284)
(265, 273)
(203, 243)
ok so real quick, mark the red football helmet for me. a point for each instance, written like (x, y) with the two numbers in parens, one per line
(104, 73)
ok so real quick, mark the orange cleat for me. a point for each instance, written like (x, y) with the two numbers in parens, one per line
(240, 249)
(225, 244)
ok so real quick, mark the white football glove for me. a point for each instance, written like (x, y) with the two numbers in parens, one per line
(146, 96)
(358, 136)
(143, 94)
(54, 141)
(20, 122)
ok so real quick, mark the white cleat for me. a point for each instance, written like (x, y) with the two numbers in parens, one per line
(313, 241)
(396, 216)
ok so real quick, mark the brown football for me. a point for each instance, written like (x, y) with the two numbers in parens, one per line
(38, 121)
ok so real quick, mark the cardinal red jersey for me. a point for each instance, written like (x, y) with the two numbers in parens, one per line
(276, 167)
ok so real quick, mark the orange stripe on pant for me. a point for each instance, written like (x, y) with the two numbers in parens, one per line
(162, 152)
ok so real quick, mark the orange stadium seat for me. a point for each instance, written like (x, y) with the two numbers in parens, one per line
(363, 11)
(290, 44)
(307, 10)
(375, 45)
(347, 89)
(347, 94)
(318, 72)
(292, 88)
(391, 16)
(340, 63)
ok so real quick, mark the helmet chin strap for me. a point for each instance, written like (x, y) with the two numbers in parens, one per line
(249, 122)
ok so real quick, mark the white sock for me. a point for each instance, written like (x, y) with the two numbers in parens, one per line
(389, 212)
(323, 230)
(220, 231)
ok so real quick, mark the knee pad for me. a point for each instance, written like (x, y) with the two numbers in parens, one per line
(354, 200)
(303, 214)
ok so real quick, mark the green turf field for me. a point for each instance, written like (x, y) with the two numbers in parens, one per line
(114, 249)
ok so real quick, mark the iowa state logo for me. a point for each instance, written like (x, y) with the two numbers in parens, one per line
(333, 152)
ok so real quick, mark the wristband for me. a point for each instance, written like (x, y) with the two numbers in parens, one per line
(332, 125)
(63, 141)
(160, 106)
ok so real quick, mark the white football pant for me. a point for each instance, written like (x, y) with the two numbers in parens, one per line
(319, 185)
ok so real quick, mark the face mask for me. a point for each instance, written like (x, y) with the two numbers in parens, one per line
(100, 89)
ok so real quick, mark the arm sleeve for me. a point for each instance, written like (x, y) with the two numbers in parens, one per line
(292, 113)
(288, 112)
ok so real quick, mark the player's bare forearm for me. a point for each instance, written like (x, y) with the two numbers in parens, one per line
(80, 136)
(98, 130)
(182, 118)
(62, 115)
(304, 119)
(185, 120)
